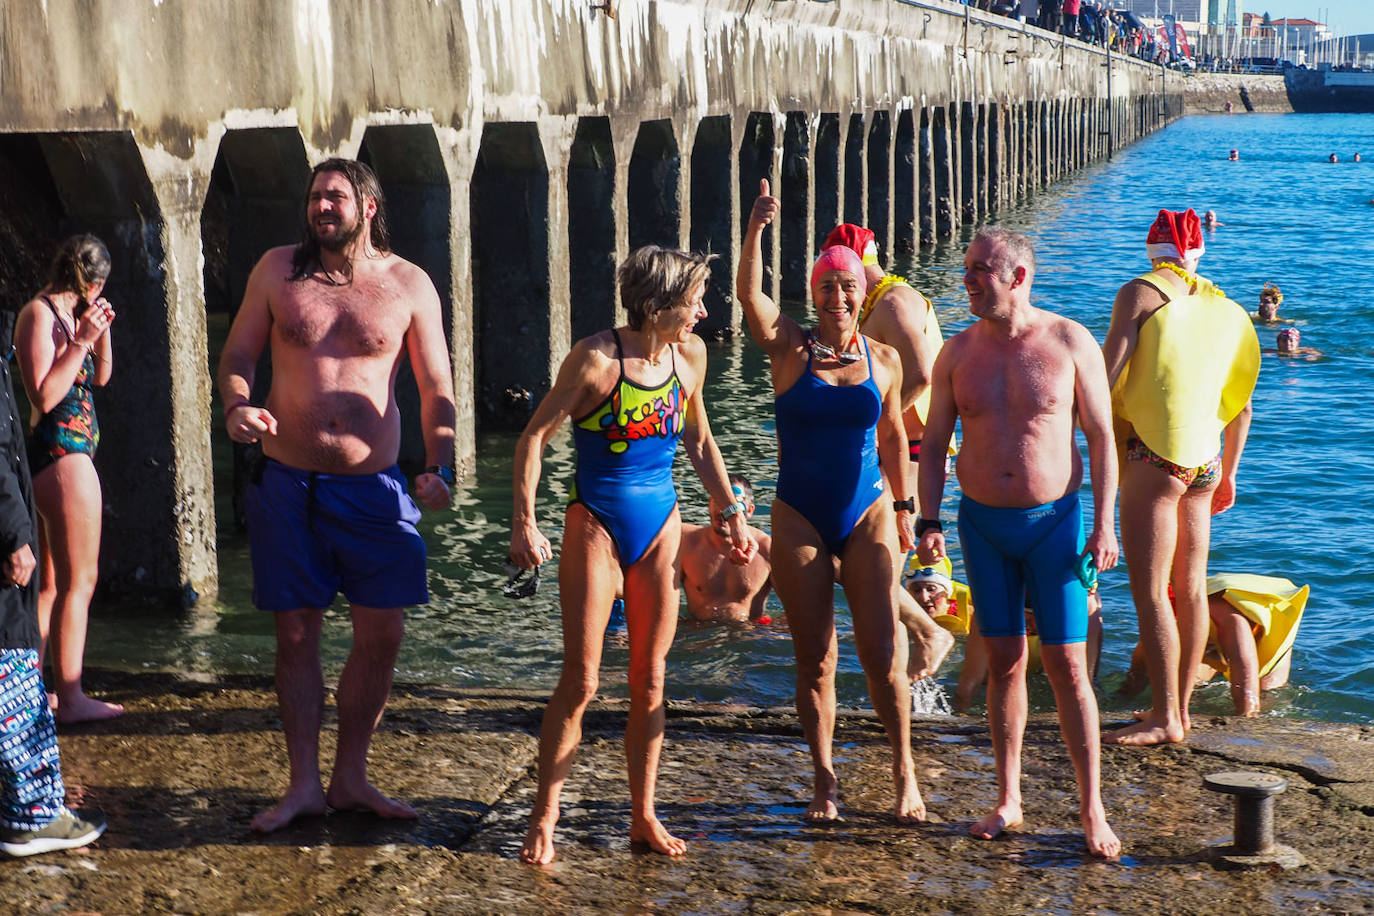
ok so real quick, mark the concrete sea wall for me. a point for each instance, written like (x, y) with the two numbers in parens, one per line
(1209, 93)
(524, 147)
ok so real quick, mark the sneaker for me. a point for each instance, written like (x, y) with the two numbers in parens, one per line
(66, 831)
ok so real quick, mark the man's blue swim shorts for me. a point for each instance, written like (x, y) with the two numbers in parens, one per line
(313, 535)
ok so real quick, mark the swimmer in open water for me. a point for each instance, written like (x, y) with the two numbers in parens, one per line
(837, 400)
(716, 589)
(1289, 346)
(1270, 298)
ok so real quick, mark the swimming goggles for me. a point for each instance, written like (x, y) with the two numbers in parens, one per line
(824, 351)
(521, 583)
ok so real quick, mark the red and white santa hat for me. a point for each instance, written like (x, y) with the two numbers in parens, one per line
(857, 239)
(1175, 235)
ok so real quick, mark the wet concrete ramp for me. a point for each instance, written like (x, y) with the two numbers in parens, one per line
(181, 774)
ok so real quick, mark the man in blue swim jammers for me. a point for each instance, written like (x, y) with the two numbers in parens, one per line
(1015, 378)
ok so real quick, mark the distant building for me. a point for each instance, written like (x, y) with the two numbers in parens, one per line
(1222, 13)
(1301, 33)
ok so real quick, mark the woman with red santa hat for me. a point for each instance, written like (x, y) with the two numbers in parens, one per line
(1182, 360)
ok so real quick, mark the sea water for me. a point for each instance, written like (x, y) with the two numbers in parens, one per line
(1305, 484)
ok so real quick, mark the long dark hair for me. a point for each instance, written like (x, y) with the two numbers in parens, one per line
(79, 261)
(365, 184)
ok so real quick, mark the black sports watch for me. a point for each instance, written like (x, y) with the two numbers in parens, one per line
(909, 504)
(443, 472)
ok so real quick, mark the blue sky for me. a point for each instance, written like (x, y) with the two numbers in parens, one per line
(1346, 17)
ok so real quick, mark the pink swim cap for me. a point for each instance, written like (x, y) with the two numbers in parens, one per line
(840, 257)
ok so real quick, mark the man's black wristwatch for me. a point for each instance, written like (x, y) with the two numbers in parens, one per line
(928, 524)
(443, 472)
(909, 504)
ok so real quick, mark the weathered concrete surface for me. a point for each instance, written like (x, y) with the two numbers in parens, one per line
(185, 768)
(1206, 93)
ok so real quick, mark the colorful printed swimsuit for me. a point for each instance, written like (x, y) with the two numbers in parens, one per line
(71, 427)
(625, 449)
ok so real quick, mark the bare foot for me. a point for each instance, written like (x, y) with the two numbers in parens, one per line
(82, 708)
(366, 797)
(652, 833)
(824, 807)
(1143, 715)
(910, 807)
(1002, 818)
(1100, 838)
(303, 803)
(538, 848)
(1144, 734)
(928, 651)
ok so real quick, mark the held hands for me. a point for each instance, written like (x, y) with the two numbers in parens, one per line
(18, 567)
(247, 424)
(431, 491)
(94, 322)
(765, 207)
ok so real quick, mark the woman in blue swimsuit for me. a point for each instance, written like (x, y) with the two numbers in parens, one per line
(62, 341)
(840, 434)
(631, 393)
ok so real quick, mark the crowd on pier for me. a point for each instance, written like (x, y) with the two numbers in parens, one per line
(1090, 21)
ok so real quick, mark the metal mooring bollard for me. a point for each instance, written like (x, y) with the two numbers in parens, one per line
(1254, 834)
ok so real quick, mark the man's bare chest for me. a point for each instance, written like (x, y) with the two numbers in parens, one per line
(359, 322)
(1024, 384)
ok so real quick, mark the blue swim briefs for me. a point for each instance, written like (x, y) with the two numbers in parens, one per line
(1012, 554)
(313, 535)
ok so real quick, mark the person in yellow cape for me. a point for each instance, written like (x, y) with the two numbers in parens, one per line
(1254, 623)
(895, 313)
(1182, 360)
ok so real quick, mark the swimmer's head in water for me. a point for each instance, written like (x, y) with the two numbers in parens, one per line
(1288, 340)
(931, 596)
(1176, 236)
(1235, 154)
(1270, 298)
(930, 587)
(857, 239)
(740, 489)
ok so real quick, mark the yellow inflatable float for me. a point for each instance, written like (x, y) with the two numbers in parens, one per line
(1274, 607)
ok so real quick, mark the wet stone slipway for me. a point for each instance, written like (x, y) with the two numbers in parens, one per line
(183, 771)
